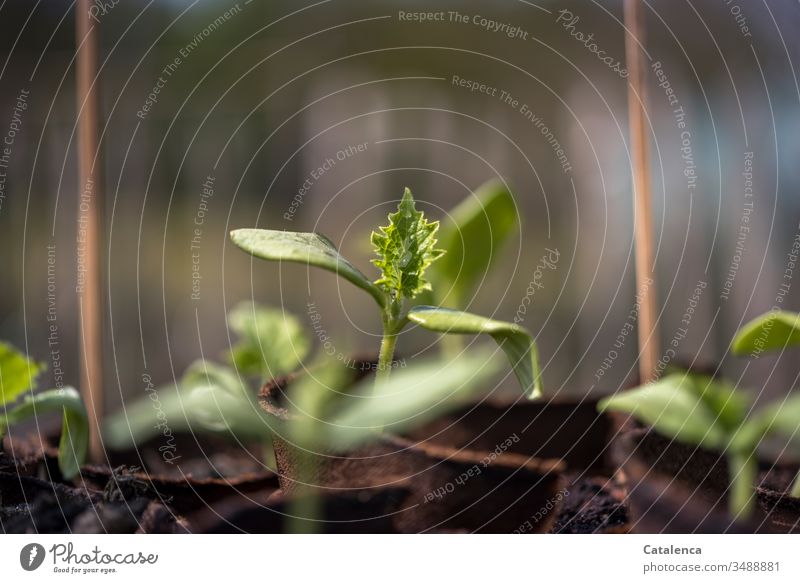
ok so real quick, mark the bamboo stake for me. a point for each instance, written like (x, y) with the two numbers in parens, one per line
(643, 225)
(90, 190)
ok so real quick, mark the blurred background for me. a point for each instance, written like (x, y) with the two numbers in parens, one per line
(314, 115)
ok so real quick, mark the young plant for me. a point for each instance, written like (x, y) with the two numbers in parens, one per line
(220, 398)
(18, 376)
(405, 249)
(700, 411)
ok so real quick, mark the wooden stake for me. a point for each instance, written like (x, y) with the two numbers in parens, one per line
(643, 225)
(90, 220)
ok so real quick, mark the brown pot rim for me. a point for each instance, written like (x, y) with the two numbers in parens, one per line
(271, 391)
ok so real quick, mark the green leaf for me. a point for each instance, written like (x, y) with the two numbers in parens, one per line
(17, 373)
(209, 397)
(730, 405)
(306, 248)
(405, 249)
(774, 330)
(75, 427)
(515, 341)
(473, 235)
(779, 418)
(409, 398)
(672, 406)
(272, 342)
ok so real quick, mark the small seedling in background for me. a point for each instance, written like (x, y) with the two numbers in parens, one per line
(700, 411)
(406, 248)
(18, 376)
(220, 398)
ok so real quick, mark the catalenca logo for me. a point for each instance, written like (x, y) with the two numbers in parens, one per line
(31, 556)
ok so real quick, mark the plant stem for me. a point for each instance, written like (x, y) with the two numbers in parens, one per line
(393, 322)
(386, 356)
(742, 469)
(795, 491)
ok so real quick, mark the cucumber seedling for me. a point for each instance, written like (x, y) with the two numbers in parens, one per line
(700, 411)
(405, 249)
(18, 376)
(219, 397)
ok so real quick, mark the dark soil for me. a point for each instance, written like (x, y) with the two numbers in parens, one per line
(350, 512)
(32, 505)
(593, 504)
(34, 497)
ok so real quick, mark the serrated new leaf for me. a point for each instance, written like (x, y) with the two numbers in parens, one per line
(405, 249)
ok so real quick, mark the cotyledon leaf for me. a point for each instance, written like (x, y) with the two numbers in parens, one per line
(774, 330)
(410, 397)
(516, 342)
(473, 235)
(672, 406)
(305, 248)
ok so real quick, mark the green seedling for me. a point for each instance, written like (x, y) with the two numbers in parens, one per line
(405, 249)
(219, 398)
(18, 376)
(701, 411)
(775, 330)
